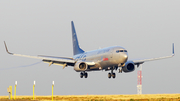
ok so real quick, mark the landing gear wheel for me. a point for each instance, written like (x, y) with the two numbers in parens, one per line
(109, 75)
(81, 75)
(120, 70)
(85, 75)
(113, 75)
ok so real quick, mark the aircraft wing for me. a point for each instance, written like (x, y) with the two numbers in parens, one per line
(63, 61)
(138, 62)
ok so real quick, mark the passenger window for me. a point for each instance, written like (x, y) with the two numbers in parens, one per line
(125, 50)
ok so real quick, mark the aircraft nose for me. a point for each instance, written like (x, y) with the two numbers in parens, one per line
(124, 57)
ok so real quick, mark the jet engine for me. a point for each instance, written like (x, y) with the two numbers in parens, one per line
(80, 66)
(129, 66)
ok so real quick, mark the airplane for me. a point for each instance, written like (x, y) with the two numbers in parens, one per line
(108, 59)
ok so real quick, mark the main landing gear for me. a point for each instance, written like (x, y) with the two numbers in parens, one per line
(83, 74)
(113, 75)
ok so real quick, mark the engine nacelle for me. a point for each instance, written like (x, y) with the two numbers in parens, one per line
(129, 66)
(80, 66)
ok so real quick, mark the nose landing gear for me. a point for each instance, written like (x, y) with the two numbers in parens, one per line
(83, 74)
(120, 69)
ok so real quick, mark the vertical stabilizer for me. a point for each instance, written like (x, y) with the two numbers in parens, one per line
(76, 48)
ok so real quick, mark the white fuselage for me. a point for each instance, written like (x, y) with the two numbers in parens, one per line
(104, 58)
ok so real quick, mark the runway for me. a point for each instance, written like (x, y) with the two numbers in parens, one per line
(143, 97)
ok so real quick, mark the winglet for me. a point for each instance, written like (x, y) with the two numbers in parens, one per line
(173, 50)
(7, 49)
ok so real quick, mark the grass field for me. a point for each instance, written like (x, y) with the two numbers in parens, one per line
(143, 97)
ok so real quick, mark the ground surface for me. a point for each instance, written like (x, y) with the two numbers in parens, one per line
(146, 97)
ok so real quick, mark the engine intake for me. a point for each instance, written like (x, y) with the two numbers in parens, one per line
(129, 66)
(80, 66)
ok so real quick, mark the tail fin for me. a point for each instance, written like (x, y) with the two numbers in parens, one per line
(76, 48)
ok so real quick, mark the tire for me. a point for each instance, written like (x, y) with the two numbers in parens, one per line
(85, 75)
(120, 70)
(113, 75)
(81, 75)
(109, 75)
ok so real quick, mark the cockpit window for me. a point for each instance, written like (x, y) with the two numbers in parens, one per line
(121, 51)
(117, 51)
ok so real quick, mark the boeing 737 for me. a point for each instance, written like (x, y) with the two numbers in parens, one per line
(108, 59)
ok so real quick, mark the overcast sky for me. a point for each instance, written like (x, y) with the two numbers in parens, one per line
(146, 28)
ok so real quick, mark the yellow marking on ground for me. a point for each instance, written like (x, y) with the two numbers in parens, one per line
(143, 97)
